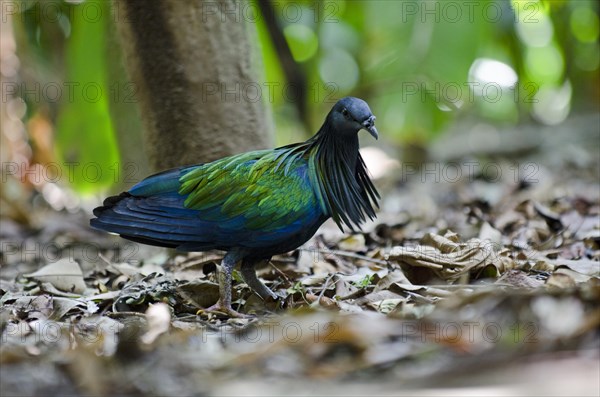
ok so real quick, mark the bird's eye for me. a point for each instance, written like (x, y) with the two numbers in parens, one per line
(345, 112)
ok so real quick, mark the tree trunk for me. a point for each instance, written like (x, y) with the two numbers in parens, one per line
(192, 64)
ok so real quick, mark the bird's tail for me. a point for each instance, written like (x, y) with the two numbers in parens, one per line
(153, 212)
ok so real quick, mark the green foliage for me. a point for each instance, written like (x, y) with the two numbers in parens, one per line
(64, 46)
(364, 282)
(84, 129)
(421, 65)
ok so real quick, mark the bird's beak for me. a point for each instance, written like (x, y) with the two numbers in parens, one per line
(369, 125)
(373, 131)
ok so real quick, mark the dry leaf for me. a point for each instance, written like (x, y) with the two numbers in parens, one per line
(519, 279)
(354, 242)
(559, 280)
(64, 274)
(159, 319)
(445, 257)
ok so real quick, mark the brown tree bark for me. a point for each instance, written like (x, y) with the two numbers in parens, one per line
(192, 63)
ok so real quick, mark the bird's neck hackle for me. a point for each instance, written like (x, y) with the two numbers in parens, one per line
(337, 149)
(342, 180)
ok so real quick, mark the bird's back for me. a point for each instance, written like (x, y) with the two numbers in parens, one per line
(251, 201)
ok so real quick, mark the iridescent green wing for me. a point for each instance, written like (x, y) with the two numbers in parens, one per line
(254, 187)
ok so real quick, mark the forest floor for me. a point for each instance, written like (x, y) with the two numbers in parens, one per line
(480, 276)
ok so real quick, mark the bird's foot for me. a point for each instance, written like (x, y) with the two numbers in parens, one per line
(222, 310)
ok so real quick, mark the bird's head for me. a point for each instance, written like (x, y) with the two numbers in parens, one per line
(350, 115)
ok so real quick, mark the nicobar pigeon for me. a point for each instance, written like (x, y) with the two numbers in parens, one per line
(253, 205)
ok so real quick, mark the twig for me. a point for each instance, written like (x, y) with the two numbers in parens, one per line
(279, 271)
(348, 255)
(325, 286)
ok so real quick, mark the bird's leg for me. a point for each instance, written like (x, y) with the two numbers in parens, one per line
(249, 275)
(224, 276)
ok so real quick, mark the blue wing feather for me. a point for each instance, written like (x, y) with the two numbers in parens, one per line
(154, 211)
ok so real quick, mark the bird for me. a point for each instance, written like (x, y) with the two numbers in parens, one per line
(256, 204)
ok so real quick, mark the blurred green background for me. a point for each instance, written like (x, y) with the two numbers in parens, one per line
(422, 66)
